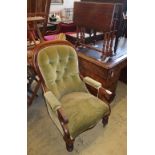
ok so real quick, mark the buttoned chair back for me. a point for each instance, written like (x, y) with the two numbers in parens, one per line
(58, 65)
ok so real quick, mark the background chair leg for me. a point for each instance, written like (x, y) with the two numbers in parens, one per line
(69, 146)
(105, 120)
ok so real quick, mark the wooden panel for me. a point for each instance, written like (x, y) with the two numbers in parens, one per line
(104, 1)
(38, 7)
(124, 2)
(107, 76)
(98, 16)
(99, 74)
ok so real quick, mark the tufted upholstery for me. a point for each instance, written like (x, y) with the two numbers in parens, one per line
(60, 70)
(58, 65)
(83, 110)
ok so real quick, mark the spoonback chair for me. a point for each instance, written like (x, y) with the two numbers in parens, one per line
(70, 105)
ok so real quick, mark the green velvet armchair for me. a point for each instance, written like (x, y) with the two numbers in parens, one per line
(70, 105)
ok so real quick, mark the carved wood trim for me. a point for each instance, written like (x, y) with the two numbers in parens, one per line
(107, 96)
(61, 116)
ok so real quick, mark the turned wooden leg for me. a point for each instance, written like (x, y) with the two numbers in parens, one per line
(69, 146)
(105, 120)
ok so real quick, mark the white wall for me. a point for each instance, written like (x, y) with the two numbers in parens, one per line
(66, 4)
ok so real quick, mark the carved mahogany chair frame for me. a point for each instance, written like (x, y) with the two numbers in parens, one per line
(61, 114)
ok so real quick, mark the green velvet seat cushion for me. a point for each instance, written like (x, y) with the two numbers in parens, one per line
(83, 111)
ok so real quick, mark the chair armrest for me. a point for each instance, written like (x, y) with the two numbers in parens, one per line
(56, 106)
(63, 121)
(95, 84)
(92, 82)
(62, 116)
(52, 100)
(108, 95)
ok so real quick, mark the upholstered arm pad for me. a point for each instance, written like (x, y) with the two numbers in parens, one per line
(52, 100)
(95, 84)
(92, 82)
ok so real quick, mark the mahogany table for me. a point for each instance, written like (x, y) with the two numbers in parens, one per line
(108, 73)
